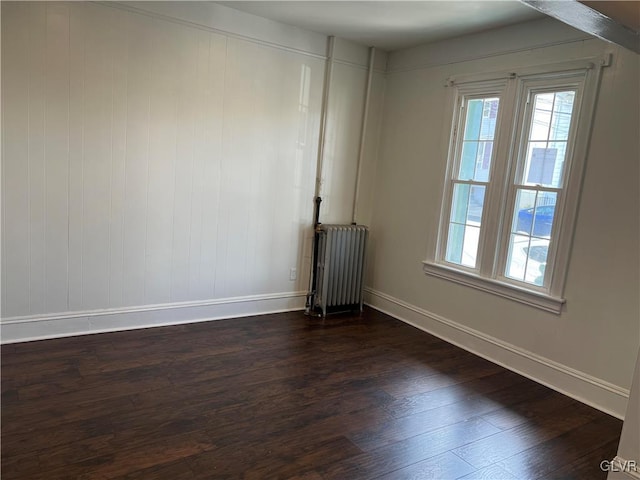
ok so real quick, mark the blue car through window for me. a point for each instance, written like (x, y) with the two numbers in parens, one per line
(542, 220)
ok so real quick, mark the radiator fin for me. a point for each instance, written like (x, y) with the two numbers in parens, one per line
(340, 268)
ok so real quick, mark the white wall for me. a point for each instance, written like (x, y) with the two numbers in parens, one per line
(345, 110)
(159, 168)
(587, 351)
(342, 135)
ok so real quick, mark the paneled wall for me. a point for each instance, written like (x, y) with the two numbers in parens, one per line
(588, 350)
(149, 162)
(345, 124)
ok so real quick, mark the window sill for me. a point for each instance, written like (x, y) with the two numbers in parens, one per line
(501, 289)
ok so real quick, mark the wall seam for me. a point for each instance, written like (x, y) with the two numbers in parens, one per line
(218, 31)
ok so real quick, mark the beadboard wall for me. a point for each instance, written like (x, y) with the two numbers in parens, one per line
(154, 162)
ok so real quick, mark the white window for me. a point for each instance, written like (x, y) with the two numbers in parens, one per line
(515, 160)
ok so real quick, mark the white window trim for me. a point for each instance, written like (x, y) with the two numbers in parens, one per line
(496, 287)
(488, 278)
(486, 88)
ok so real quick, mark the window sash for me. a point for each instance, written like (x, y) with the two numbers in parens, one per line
(481, 90)
(528, 89)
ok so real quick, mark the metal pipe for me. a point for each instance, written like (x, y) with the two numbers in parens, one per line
(363, 133)
(314, 259)
(328, 74)
(309, 304)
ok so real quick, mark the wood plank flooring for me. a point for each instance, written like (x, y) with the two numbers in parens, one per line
(285, 397)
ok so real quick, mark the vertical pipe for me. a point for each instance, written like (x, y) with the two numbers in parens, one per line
(313, 279)
(311, 296)
(363, 133)
(328, 74)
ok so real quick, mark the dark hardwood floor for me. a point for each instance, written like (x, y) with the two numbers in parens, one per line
(285, 396)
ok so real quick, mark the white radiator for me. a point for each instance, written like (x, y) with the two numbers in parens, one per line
(340, 267)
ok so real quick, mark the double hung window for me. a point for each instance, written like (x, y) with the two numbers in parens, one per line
(515, 160)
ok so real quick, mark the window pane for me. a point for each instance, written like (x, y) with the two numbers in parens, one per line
(460, 203)
(470, 249)
(483, 161)
(517, 259)
(560, 149)
(464, 226)
(560, 126)
(467, 205)
(489, 117)
(536, 261)
(534, 213)
(541, 117)
(462, 246)
(543, 220)
(527, 259)
(548, 135)
(562, 110)
(479, 133)
(474, 119)
(455, 242)
(468, 160)
(476, 203)
(524, 208)
(540, 127)
(545, 164)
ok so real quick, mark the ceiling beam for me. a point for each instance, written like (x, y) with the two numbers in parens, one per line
(588, 20)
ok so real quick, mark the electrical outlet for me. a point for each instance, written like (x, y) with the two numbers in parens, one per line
(293, 273)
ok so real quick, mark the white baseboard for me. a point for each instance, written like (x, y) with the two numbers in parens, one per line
(40, 327)
(585, 388)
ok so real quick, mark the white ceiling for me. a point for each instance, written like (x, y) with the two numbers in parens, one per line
(391, 25)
